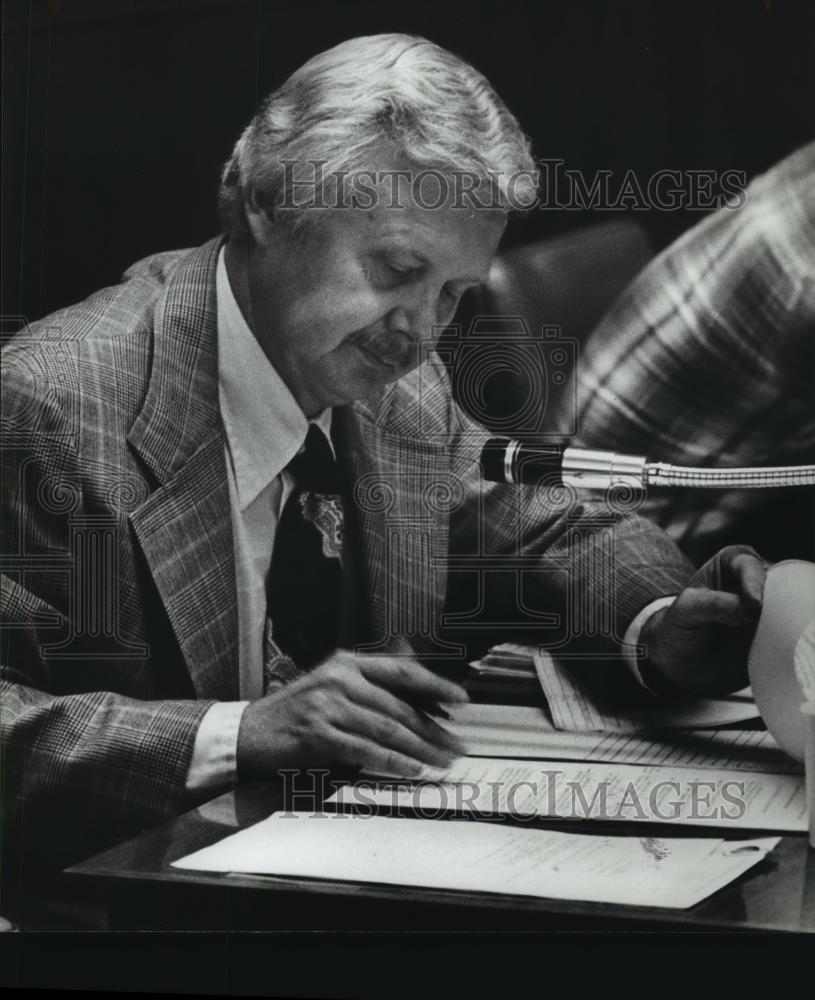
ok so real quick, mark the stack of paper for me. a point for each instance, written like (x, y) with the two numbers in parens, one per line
(578, 703)
(483, 857)
(580, 758)
(579, 699)
(506, 670)
(582, 790)
(524, 731)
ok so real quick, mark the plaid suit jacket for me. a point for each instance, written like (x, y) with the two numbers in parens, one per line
(119, 596)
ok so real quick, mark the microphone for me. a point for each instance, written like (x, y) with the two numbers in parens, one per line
(505, 460)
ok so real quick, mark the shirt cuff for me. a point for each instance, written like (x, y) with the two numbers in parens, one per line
(214, 754)
(632, 637)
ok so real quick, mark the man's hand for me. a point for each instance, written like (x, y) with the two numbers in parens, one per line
(351, 710)
(699, 645)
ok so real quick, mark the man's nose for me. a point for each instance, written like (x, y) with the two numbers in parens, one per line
(415, 319)
(405, 334)
(399, 321)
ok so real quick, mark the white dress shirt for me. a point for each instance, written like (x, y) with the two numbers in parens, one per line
(265, 428)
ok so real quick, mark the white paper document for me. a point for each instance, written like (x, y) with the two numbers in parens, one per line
(520, 731)
(483, 857)
(572, 790)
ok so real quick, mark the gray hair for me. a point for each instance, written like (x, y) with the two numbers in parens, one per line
(345, 104)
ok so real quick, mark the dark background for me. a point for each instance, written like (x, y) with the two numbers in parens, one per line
(117, 114)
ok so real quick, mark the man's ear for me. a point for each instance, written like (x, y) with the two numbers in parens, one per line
(257, 219)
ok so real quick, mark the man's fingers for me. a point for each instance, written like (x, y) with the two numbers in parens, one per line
(357, 750)
(412, 717)
(738, 569)
(386, 733)
(407, 677)
(746, 577)
(695, 608)
(379, 700)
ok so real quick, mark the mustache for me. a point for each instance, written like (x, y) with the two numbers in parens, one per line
(395, 349)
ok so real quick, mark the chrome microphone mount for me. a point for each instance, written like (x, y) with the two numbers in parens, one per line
(506, 460)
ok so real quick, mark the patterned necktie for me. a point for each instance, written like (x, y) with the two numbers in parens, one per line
(305, 580)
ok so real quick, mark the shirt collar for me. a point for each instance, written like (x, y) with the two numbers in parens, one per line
(265, 428)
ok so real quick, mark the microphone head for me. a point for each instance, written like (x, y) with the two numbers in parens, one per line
(493, 458)
(506, 460)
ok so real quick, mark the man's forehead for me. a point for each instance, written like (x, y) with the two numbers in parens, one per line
(432, 232)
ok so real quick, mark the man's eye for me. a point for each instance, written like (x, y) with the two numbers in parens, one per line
(389, 274)
(400, 272)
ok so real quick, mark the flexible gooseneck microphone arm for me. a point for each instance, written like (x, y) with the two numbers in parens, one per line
(505, 460)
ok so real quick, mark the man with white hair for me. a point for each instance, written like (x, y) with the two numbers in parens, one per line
(244, 505)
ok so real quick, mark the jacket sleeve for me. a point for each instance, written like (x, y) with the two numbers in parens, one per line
(77, 758)
(562, 571)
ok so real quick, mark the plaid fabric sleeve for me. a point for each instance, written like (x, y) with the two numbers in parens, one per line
(77, 757)
(707, 360)
(96, 765)
(543, 550)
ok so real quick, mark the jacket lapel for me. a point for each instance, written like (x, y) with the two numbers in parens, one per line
(184, 527)
(185, 532)
(402, 498)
